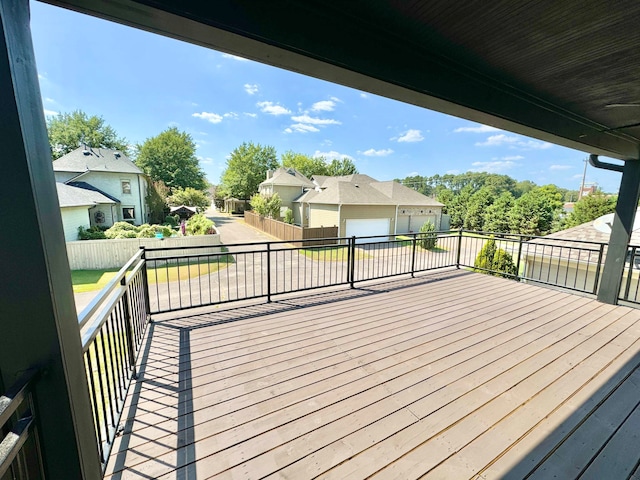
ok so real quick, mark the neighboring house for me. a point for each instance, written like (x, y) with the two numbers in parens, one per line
(566, 257)
(184, 212)
(76, 206)
(111, 174)
(288, 183)
(357, 204)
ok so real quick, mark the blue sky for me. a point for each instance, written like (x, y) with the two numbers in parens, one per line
(143, 83)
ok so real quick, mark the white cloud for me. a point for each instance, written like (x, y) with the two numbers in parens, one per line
(314, 120)
(272, 108)
(233, 115)
(332, 155)
(324, 106)
(478, 129)
(577, 176)
(206, 160)
(50, 113)
(513, 142)
(326, 143)
(513, 157)
(209, 117)
(301, 128)
(364, 95)
(49, 100)
(251, 89)
(559, 167)
(377, 153)
(452, 172)
(412, 174)
(411, 136)
(234, 57)
(494, 166)
(252, 115)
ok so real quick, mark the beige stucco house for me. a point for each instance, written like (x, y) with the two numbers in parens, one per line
(357, 204)
(289, 184)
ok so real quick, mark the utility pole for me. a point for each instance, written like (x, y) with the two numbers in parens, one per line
(584, 175)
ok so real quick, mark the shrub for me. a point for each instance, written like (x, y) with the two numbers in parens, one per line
(494, 261)
(146, 231)
(165, 230)
(91, 233)
(199, 225)
(171, 220)
(288, 216)
(122, 230)
(427, 238)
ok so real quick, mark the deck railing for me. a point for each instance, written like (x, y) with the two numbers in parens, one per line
(112, 327)
(19, 449)
(165, 279)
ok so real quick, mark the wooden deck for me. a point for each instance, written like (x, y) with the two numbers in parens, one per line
(450, 375)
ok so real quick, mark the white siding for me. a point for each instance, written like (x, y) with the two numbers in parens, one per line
(72, 218)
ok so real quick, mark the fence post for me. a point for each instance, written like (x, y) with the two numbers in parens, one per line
(629, 275)
(352, 266)
(518, 259)
(268, 272)
(414, 241)
(459, 249)
(145, 285)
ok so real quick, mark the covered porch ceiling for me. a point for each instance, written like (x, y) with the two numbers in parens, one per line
(564, 72)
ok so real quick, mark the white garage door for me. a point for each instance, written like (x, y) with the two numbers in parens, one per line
(363, 227)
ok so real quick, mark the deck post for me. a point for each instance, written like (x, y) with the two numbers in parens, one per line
(620, 233)
(37, 310)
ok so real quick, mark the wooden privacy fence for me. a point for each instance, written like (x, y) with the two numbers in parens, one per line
(285, 231)
(99, 254)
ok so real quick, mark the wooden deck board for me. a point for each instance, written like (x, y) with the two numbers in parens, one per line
(449, 376)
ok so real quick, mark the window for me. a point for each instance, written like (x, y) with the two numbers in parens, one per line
(126, 186)
(128, 213)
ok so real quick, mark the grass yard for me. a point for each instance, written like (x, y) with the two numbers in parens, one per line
(183, 271)
(92, 280)
(337, 253)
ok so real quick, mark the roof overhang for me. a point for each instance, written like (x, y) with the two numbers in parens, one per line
(563, 72)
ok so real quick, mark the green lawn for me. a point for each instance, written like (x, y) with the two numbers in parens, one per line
(336, 253)
(91, 280)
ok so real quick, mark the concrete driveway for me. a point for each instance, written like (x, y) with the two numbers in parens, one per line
(233, 229)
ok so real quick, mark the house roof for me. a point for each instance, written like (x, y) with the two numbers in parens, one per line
(88, 186)
(70, 196)
(181, 207)
(359, 189)
(569, 244)
(95, 160)
(288, 176)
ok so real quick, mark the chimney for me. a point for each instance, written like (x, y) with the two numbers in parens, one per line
(269, 174)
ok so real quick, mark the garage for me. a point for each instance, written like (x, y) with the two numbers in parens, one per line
(364, 227)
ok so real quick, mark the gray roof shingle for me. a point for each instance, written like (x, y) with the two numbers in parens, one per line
(70, 196)
(95, 160)
(361, 189)
(288, 176)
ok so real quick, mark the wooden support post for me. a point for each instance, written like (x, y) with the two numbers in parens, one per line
(37, 311)
(620, 233)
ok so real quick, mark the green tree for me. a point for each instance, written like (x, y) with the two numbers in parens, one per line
(157, 194)
(523, 187)
(68, 130)
(338, 168)
(200, 225)
(478, 204)
(171, 158)
(266, 205)
(535, 212)
(306, 165)
(457, 208)
(247, 168)
(190, 197)
(496, 216)
(494, 261)
(589, 208)
(427, 238)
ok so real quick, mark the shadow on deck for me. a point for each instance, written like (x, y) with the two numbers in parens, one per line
(449, 375)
